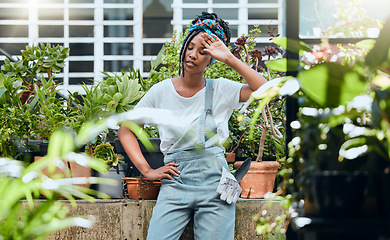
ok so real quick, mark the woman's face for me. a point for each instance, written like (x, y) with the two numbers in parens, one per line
(196, 59)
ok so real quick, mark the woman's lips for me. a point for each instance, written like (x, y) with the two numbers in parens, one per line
(190, 63)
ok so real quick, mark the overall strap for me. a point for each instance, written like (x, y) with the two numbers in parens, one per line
(208, 110)
(209, 95)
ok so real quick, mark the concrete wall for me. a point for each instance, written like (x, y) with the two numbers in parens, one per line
(127, 219)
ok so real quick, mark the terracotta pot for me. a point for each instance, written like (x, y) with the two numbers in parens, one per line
(259, 180)
(76, 170)
(230, 157)
(80, 171)
(57, 170)
(140, 188)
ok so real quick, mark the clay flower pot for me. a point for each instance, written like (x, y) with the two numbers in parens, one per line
(230, 157)
(259, 180)
(140, 188)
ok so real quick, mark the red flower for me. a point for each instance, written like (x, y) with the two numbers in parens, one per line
(241, 41)
(256, 54)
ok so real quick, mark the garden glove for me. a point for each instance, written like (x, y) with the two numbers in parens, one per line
(228, 187)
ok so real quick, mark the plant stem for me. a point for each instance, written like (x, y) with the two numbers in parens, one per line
(263, 136)
(238, 143)
(247, 55)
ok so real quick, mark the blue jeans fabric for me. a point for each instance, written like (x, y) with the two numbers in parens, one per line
(193, 194)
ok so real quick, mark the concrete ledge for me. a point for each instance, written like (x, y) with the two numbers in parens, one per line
(129, 220)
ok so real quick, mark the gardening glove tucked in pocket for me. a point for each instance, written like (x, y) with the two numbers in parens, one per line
(228, 187)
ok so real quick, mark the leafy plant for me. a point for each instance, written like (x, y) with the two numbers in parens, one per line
(35, 60)
(24, 87)
(119, 92)
(19, 182)
(105, 152)
(251, 133)
(52, 112)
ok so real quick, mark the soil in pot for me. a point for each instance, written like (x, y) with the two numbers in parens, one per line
(259, 180)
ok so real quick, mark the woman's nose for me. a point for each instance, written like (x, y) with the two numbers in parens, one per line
(192, 54)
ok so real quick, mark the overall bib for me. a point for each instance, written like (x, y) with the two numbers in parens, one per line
(193, 194)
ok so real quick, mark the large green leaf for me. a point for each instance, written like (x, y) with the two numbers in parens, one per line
(292, 45)
(283, 65)
(2, 91)
(367, 44)
(331, 84)
(380, 52)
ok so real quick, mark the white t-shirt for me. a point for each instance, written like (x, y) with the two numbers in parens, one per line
(163, 95)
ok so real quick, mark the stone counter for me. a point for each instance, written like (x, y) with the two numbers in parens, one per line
(129, 220)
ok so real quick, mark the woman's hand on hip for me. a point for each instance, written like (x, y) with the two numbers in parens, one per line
(165, 171)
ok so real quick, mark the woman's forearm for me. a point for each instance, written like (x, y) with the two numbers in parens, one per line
(253, 78)
(132, 149)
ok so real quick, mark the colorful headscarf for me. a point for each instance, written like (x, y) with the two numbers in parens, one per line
(209, 26)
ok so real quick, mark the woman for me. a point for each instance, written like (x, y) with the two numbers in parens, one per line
(195, 167)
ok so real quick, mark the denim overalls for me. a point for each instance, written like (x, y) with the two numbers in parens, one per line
(193, 193)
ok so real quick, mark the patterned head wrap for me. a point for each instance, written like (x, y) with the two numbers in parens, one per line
(209, 26)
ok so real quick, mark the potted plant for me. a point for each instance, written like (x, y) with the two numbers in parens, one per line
(30, 87)
(141, 188)
(261, 176)
(35, 92)
(21, 79)
(105, 152)
(20, 182)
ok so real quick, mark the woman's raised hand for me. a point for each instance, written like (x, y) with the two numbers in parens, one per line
(163, 172)
(215, 47)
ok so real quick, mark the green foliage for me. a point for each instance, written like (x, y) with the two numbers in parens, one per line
(36, 220)
(343, 114)
(245, 129)
(273, 227)
(170, 61)
(105, 152)
(28, 91)
(343, 105)
(32, 95)
(335, 84)
(52, 112)
(36, 59)
(91, 109)
(151, 130)
(119, 92)
(9, 90)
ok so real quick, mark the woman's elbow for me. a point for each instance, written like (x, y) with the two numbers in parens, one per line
(122, 131)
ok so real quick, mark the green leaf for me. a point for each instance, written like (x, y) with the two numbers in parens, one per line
(292, 45)
(283, 65)
(331, 84)
(380, 52)
(2, 91)
(367, 44)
